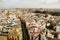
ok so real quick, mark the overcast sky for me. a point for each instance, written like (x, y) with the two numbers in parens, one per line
(29, 4)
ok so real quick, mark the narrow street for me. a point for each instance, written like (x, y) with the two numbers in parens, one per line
(24, 31)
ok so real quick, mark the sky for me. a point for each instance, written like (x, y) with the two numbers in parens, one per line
(30, 4)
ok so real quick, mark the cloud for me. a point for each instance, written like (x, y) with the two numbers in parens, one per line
(29, 4)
